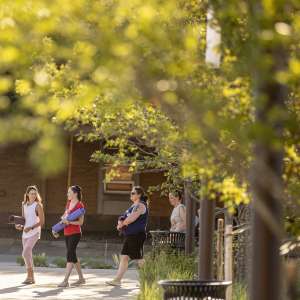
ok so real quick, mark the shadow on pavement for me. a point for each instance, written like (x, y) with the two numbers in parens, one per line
(12, 289)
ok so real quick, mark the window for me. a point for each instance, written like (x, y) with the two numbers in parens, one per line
(119, 181)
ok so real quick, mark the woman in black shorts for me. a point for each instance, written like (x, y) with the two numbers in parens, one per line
(133, 225)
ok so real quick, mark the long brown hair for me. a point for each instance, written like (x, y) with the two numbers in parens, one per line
(38, 196)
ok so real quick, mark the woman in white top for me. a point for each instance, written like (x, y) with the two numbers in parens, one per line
(178, 216)
(32, 211)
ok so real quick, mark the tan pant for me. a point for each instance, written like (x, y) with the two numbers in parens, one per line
(28, 244)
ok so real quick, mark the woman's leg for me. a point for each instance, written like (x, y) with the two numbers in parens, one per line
(71, 243)
(79, 271)
(24, 241)
(123, 267)
(75, 242)
(28, 245)
(142, 239)
(69, 266)
(132, 248)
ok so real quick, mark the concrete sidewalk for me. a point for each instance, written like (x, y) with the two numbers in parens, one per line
(48, 278)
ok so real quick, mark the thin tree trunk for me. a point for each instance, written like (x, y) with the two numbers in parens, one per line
(70, 162)
(190, 217)
(220, 250)
(228, 261)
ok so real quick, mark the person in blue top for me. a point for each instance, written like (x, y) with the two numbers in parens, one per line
(133, 225)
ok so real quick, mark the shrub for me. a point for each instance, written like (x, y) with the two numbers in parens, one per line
(94, 264)
(60, 262)
(239, 292)
(39, 260)
(20, 261)
(164, 266)
(150, 291)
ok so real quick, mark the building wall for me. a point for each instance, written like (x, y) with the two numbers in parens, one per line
(160, 209)
(16, 174)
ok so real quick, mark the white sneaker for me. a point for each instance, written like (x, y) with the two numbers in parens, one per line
(114, 282)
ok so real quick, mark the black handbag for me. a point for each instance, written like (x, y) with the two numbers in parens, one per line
(17, 220)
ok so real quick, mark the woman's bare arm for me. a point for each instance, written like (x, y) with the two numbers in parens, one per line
(139, 210)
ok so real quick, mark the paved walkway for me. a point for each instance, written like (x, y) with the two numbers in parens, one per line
(48, 278)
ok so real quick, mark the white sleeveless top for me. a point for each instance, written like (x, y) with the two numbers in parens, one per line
(31, 219)
(175, 217)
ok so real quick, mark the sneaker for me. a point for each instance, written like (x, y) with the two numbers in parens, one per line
(63, 284)
(78, 282)
(114, 282)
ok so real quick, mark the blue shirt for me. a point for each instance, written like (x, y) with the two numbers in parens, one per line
(139, 225)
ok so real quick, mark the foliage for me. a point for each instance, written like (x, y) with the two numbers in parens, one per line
(39, 260)
(239, 292)
(166, 266)
(59, 262)
(163, 266)
(94, 264)
(133, 75)
(20, 261)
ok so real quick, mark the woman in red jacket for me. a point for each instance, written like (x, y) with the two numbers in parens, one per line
(73, 234)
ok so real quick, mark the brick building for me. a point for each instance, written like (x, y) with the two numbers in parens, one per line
(104, 202)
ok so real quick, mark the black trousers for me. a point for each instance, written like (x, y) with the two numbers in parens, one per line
(71, 243)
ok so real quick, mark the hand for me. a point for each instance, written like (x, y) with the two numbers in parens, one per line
(64, 216)
(27, 229)
(65, 221)
(119, 226)
(19, 227)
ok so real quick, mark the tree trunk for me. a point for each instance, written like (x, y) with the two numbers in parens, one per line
(267, 184)
(220, 250)
(228, 267)
(207, 218)
(190, 219)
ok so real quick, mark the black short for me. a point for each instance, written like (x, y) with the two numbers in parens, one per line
(133, 245)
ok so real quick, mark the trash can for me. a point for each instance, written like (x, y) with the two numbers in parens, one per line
(163, 239)
(194, 289)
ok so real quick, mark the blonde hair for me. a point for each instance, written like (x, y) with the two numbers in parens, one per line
(38, 196)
